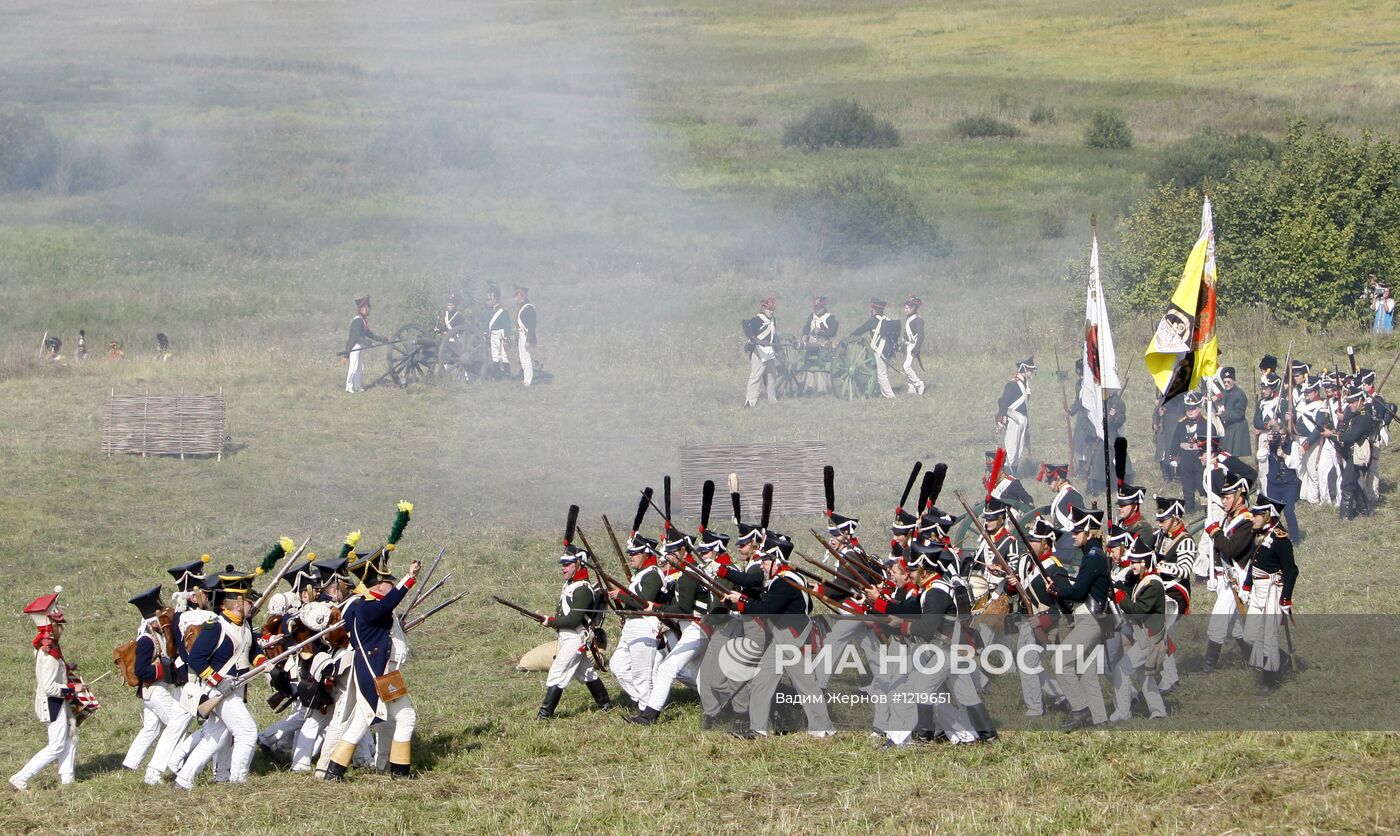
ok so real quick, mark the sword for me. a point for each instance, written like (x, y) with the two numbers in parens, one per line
(1288, 638)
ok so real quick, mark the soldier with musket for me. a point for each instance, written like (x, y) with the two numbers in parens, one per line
(1086, 601)
(380, 696)
(573, 622)
(884, 339)
(360, 338)
(760, 331)
(155, 672)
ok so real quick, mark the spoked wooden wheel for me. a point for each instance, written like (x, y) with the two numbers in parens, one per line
(410, 360)
(853, 372)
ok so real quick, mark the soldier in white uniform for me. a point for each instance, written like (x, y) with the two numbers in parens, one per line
(913, 343)
(497, 325)
(191, 604)
(818, 335)
(759, 332)
(525, 333)
(360, 337)
(573, 623)
(154, 671)
(53, 698)
(884, 335)
(451, 327)
(1013, 417)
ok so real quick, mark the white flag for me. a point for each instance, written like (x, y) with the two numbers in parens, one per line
(1100, 360)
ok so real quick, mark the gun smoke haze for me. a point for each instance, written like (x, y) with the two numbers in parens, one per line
(317, 151)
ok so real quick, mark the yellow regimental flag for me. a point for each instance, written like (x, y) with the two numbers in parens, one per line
(1184, 349)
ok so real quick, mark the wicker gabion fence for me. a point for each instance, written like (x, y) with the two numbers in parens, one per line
(794, 468)
(164, 425)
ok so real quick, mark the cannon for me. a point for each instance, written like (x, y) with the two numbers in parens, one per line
(416, 353)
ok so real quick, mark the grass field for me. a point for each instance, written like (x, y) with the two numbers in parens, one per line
(273, 160)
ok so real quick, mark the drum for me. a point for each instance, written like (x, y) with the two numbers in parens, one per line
(85, 702)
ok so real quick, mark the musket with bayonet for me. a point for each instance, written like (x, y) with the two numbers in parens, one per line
(1064, 404)
(434, 611)
(228, 686)
(424, 597)
(419, 593)
(997, 556)
(276, 576)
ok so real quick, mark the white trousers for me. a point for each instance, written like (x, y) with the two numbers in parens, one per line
(766, 681)
(882, 376)
(1034, 686)
(280, 736)
(920, 685)
(156, 702)
(844, 633)
(760, 375)
(230, 725)
(688, 649)
(399, 713)
(62, 747)
(632, 662)
(1226, 620)
(308, 739)
(1080, 683)
(173, 745)
(916, 384)
(498, 347)
(1016, 440)
(1319, 474)
(1261, 625)
(336, 724)
(527, 368)
(571, 661)
(355, 373)
(1132, 667)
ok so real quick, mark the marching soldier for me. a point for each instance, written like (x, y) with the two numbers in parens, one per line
(1067, 498)
(1232, 541)
(316, 688)
(1130, 499)
(884, 336)
(154, 671)
(1382, 414)
(1013, 416)
(1274, 574)
(1143, 598)
(1008, 488)
(1354, 435)
(786, 606)
(689, 599)
(635, 657)
(379, 697)
(759, 333)
(525, 333)
(497, 323)
(190, 605)
(225, 649)
(1087, 596)
(360, 337)
(573, 622)
(283, 609)
(1318, 469)
(913, 343)
(54, 699)
(1039, 570)
(818, 336)
(1175, 548)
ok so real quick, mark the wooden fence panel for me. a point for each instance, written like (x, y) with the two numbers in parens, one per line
(164, 425)
(794, 468)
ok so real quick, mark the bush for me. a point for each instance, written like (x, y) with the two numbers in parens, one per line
(840, 124)
(1296, 235)
(82, 170)
(1043, 114)
(984, 127)
(1210, 153)
(29, 152)
(859, 217)
(1108, 129)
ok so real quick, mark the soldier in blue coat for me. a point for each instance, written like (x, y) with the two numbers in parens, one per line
(371, 624)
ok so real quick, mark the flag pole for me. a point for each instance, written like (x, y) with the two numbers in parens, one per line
(1108, 487)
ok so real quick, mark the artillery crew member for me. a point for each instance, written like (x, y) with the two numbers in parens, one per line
(884, 337)
(573, 619)
(154, 671)
(360, 337)
(525, 333)
(225, 649)
(451, 326)
(381, 695)
(1013, 416)
(54, 699)
(497, 325)
(1274, 574)
(913, 343)
(760, 331)
(818, 336)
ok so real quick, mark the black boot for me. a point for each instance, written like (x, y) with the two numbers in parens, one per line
(646, 718)
(600, 694)
(551, 702)
(400, 770)
(1245, 648)
(335, 771)
(1212, 657)
(1080, 719)
(982, 723)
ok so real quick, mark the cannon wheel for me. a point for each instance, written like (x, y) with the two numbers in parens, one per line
(853, 371)
(785, 366)
(408, 361)
(467, 364)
